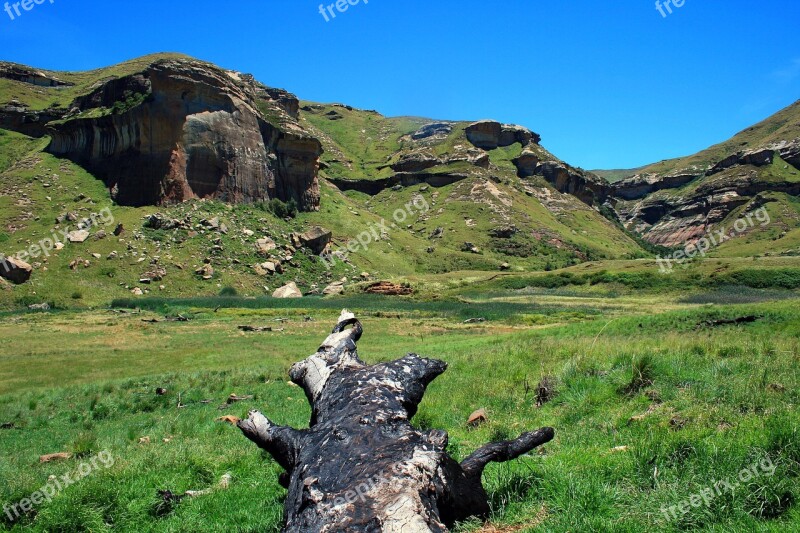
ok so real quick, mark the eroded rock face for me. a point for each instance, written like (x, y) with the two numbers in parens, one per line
(677, 219)
(183, 129)
(790, 152)
(640, 186)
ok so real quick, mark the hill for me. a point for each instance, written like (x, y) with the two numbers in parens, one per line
(436, 196)
(678, 201)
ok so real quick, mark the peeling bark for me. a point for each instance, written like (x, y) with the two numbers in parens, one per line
(361, 466)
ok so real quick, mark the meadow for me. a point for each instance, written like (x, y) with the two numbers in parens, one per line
(655, 401)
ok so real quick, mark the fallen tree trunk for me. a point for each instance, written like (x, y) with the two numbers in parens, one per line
(361, 466)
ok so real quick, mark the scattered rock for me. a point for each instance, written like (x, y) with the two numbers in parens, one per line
(477, 418)
(49, 458)
(136, 291)
(265, 245)
(388, 288)
(206, 272)
(471, 248)
(39, 307)
(505, 266)
(504, 232)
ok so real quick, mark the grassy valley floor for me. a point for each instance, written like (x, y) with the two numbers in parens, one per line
(652, 404)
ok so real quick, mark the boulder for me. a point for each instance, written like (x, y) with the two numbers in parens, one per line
(526, 163)
(78, 236)
(333, 289)
(471, 248)
(15, 270)
(265, 245)
(316, 239)
(290, 290)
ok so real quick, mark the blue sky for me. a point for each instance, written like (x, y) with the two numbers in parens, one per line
(608, 84)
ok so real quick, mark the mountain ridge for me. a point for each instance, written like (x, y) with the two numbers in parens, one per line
(496, 199)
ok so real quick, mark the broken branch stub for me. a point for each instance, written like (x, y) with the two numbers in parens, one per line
(361, 466)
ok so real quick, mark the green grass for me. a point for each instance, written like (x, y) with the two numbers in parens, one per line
(689, 406)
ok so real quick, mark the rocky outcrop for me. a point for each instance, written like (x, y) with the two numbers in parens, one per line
(489, 134)
(17, 117)
(526, 163)
(587, 187)
(183, 129)
(416, 162)
(758, 158)
(24, 74)
(437, 130)
(677, 220)
(789, 151)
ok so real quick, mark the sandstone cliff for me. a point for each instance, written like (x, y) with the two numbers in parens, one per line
(181, 129)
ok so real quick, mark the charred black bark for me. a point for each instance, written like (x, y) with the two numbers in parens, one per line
(361, 466)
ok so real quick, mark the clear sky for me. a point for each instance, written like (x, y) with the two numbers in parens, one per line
(608, 84)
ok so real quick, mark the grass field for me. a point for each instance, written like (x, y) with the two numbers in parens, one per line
(652, 406)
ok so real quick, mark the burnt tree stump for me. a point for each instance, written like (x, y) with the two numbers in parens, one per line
(361, 466)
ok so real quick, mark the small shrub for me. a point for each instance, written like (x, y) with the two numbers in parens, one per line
(84, 445)
(643, 374)
(228, 292)
(280, 208)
